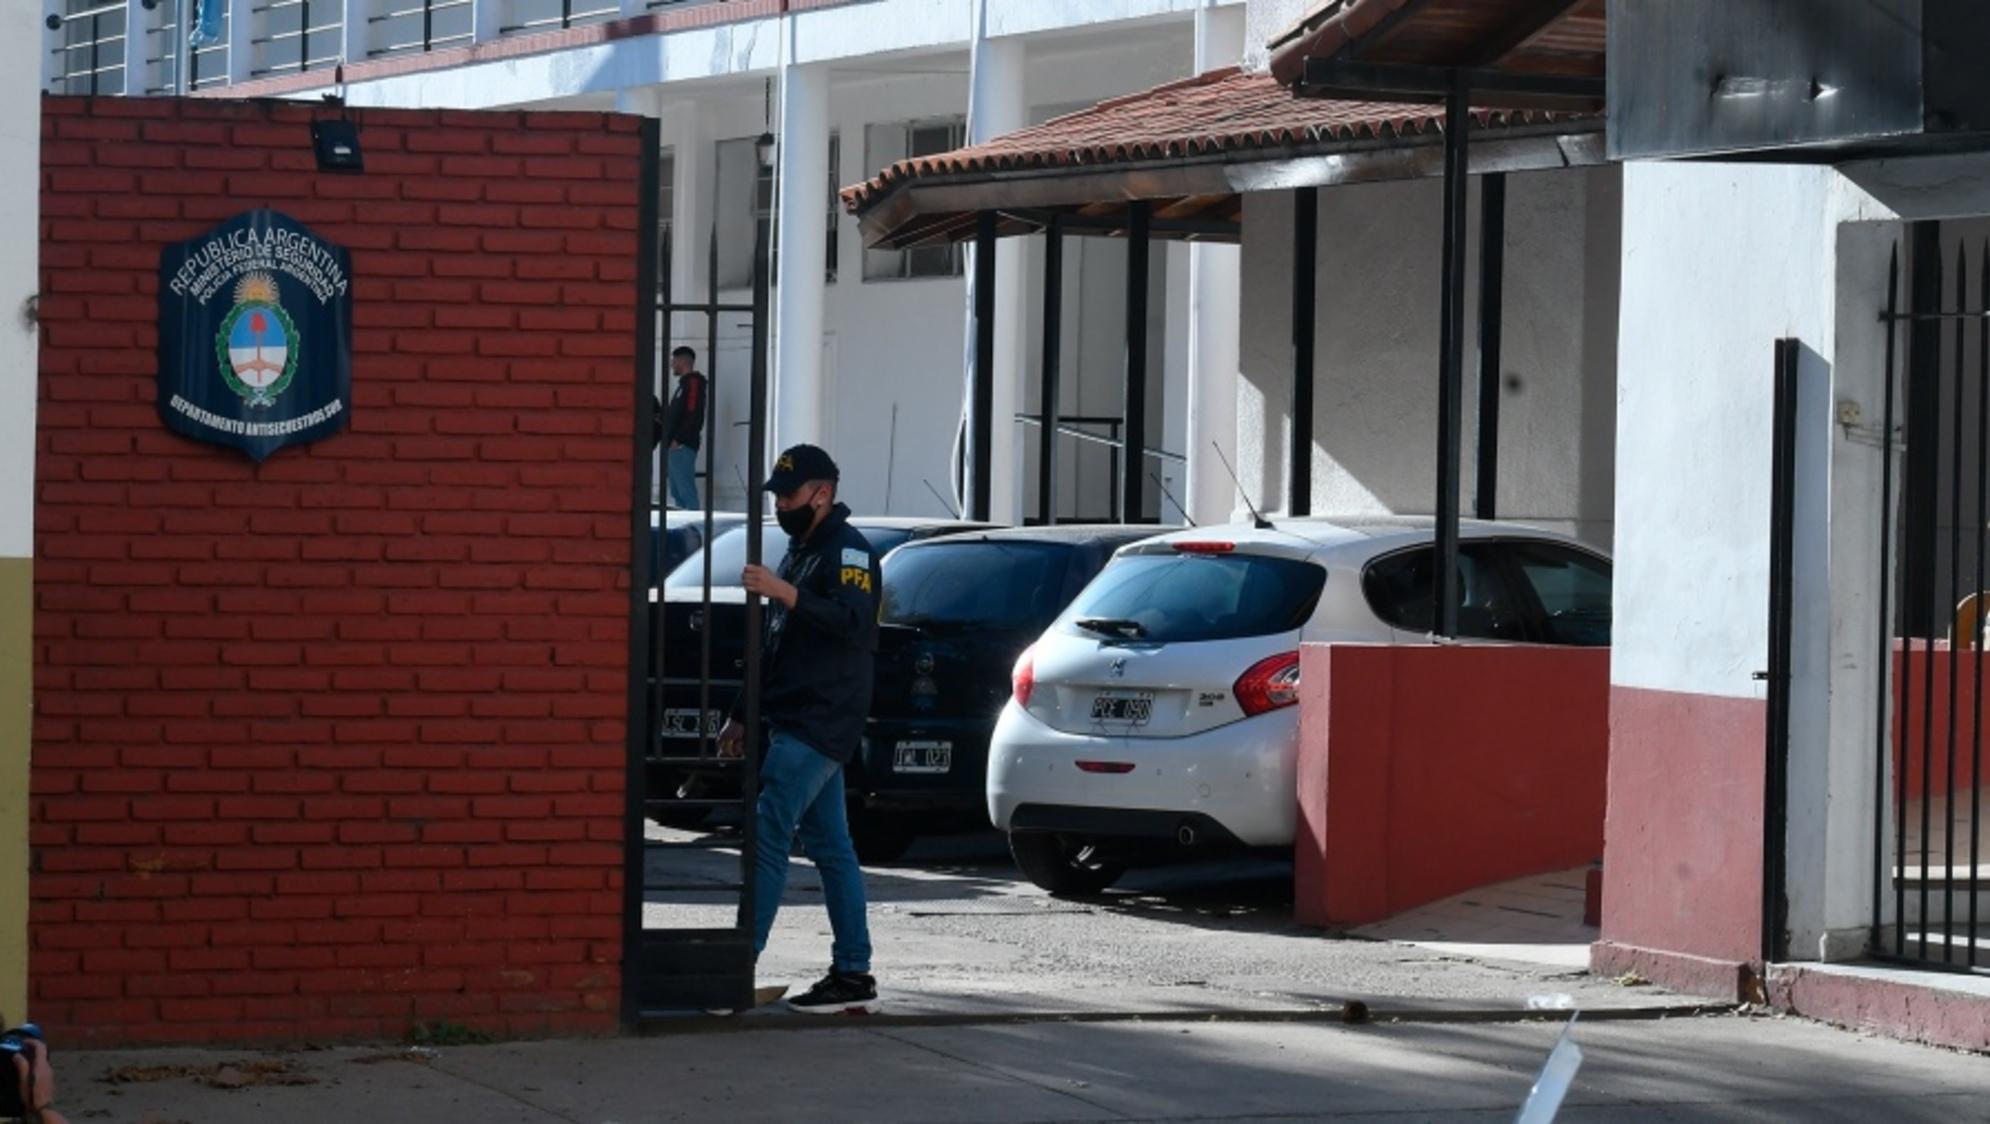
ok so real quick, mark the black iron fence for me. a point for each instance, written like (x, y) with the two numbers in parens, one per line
(1930, 627)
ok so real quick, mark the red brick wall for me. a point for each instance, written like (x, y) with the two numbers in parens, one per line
(333, 745)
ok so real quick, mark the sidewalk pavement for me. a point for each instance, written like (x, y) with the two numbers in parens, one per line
(1721, 1067)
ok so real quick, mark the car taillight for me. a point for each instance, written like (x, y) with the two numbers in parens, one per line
(1023, 680)
(1205, 547)
(1269, 684)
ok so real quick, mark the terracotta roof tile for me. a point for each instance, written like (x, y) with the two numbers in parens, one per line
(1223, 111)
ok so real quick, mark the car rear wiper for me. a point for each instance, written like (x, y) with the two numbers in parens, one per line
(1111, 626)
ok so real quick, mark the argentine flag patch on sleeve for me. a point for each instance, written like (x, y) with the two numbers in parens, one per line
(855, 557)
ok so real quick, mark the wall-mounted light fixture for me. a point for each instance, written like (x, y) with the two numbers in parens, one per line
(336, 141)
(763, 147)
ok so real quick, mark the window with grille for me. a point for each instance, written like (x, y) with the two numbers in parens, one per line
(888, 143)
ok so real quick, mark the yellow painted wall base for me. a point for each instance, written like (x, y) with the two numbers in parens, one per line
(16, 703)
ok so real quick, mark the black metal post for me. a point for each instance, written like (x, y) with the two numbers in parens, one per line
(1957, 454)
(1451, 361)
(1132, 465)
(303, 36)
(1888, 686)
(427, 25)
(711, 484)
(1305, 251)
(1053, 355)
(756, 521)
(1782, 553)
(1982, 447)
(981, 409)
(1492, 273)
(642, 723)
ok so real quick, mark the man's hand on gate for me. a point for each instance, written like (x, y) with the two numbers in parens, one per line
(768, 584)
(732, 739)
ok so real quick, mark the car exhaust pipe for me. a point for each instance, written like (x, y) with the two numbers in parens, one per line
(1185, 834)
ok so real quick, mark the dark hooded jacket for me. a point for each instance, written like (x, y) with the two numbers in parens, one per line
(817, 658)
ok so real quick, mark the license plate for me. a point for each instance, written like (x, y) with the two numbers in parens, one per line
(923, 757)
(684, 723)
(1134, 707)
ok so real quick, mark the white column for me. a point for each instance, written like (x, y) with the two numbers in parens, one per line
(486, 16)
(358, 31)
(801, 216)
(690, 145)
(1215, 282)
(20, 173)
(241, 29)
(998, 102)
(137, 37)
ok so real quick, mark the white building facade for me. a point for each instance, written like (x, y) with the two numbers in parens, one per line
(867, 346)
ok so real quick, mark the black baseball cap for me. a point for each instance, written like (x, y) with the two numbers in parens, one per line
(798, 466)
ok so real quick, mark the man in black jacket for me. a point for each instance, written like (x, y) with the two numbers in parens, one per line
(816, 670)
(682, 426)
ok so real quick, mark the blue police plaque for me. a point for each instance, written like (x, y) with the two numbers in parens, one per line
(255, 335)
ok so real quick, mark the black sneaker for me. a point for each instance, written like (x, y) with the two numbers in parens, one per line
(839, 993)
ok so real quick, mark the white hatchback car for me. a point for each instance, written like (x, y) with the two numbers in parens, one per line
(1156, 718)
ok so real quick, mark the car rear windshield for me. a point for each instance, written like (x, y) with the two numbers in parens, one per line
(976, 584)
(1187, 597)
(729, 554)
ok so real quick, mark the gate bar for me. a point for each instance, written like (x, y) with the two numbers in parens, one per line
(1955, 596)
(756, 520)
(1782, 552)
(1976, 642)
(1492, 276)
(1887, 688)
(1305, 263)
(641, 730)
(711, 481)
(1926, 392)
(1050, 395)
(1451, 354)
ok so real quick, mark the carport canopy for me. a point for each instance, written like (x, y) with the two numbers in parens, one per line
(1521, 78)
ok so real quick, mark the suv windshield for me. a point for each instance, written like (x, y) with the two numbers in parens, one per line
(1168, 598)
(729, 554)
(976, 584)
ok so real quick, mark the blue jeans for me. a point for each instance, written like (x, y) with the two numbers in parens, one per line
(682, 466)
(801, 794)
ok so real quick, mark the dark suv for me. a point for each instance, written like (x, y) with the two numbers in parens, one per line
(957, 613)
(687, 779)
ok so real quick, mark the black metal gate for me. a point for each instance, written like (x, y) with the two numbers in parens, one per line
(702, 965)
(1927, 840)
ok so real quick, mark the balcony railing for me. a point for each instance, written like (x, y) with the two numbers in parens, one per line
(87, 42)
(412, 26)
(297, 35)
(140, 46)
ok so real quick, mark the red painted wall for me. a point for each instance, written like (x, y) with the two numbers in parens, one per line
(335, 743)
(1682, 860)
(1427, 771)
(1922, 675)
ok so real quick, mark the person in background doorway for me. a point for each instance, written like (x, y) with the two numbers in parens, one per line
(818, 650)
(682, 428)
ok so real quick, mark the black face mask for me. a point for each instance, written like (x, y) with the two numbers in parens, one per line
(796, 521)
